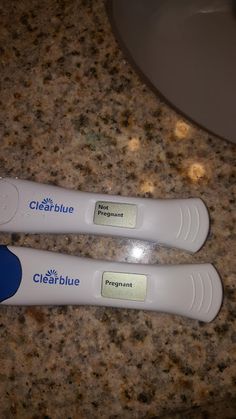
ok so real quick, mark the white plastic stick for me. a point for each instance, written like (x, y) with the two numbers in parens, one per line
(31, 207)
(29, 277)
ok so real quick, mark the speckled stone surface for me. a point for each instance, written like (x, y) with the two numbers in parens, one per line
(75, 114)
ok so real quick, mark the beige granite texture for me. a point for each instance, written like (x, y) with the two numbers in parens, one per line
(75, 114)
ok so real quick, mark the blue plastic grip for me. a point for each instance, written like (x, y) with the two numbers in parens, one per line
(10, 273)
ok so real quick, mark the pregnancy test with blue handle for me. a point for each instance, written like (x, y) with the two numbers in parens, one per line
(36, 277)
(30, 207)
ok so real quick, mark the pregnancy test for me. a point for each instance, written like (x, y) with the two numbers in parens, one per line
(36, 277)
(31, 207)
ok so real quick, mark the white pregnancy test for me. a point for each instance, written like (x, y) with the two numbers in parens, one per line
(29, 277)
(31, 207)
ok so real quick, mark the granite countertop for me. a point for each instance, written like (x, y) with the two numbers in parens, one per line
(75, 114)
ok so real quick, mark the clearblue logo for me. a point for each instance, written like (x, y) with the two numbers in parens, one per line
(51, 277)
(48, 205)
